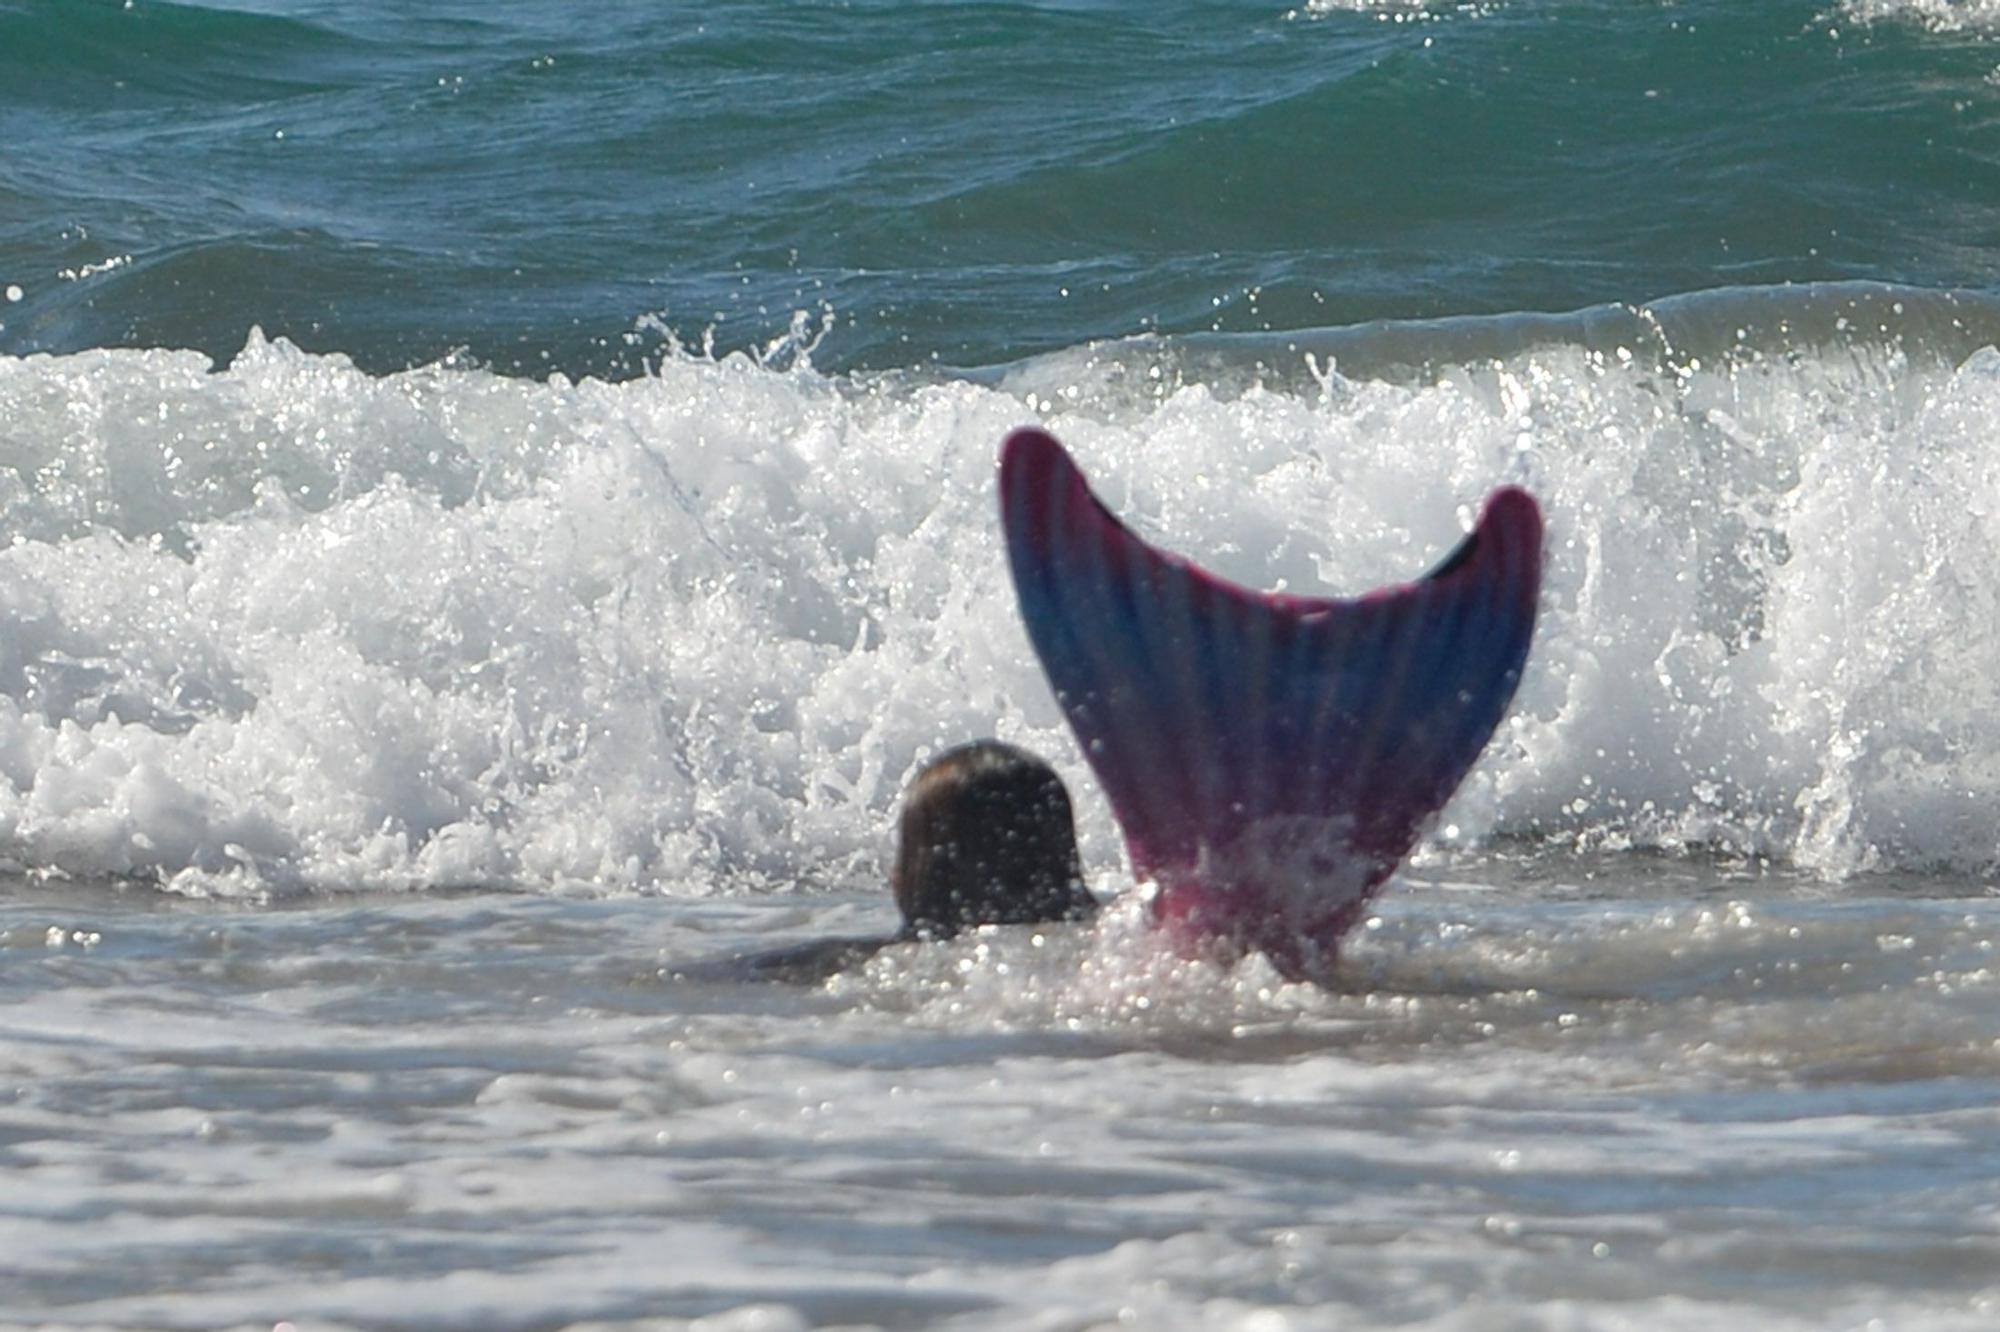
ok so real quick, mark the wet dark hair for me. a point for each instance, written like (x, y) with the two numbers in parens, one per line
(988, 838)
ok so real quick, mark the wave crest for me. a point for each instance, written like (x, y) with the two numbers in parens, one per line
(291, 625)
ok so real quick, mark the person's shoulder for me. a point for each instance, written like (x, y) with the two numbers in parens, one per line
(810, 963)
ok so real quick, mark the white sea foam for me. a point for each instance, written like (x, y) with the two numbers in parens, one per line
(1979, 17)
(290, 625)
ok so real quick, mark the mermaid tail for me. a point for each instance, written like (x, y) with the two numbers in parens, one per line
(1270, 758)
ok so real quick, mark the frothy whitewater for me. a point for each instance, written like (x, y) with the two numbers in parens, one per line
(288, 625)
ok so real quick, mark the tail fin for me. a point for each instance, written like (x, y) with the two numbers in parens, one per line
(1270, 758)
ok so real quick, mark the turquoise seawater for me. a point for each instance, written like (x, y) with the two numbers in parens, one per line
(546, 188)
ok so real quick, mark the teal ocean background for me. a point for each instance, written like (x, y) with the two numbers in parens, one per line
(543, 189)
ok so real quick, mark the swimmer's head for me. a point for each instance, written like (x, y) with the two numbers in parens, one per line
(988, 838)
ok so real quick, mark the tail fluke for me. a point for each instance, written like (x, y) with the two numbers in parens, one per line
(1270, 758)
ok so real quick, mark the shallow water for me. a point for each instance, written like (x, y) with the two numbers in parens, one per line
(1556, 1093)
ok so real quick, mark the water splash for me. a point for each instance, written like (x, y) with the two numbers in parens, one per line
(291, 625)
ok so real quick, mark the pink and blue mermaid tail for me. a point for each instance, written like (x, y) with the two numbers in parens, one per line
(1270, 758)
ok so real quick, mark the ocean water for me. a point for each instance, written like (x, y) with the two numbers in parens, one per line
(498, 500)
